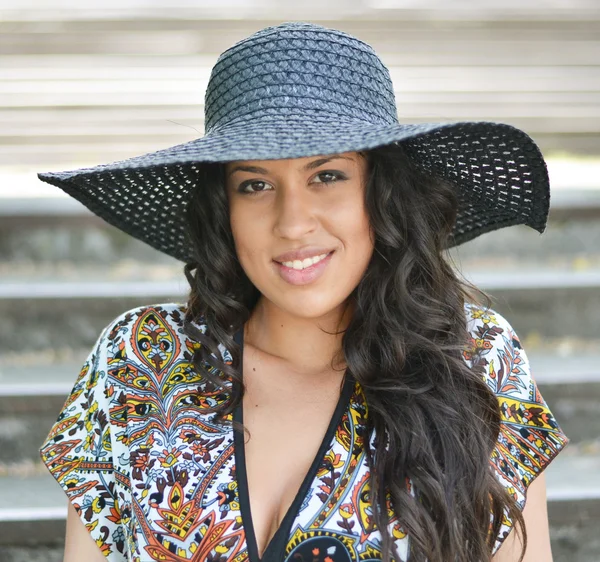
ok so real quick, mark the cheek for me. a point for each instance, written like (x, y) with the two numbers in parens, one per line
(249, 235)
(241, 221)
(350, 220)
(239, 230)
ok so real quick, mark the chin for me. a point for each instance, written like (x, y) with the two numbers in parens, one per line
(309, 306)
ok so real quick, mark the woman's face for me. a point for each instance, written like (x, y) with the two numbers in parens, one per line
(313, 204)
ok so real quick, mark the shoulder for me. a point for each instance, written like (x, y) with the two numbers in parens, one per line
(488, 326)
(496, 348)
(148, 329)
(151, 336)
(149, 349)
(170, 314)
(530, 437)
(148, 332)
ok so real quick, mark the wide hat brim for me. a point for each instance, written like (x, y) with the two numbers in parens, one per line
(498, 170)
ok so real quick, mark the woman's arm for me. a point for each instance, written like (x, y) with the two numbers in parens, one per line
(535, 514)
(79, 544)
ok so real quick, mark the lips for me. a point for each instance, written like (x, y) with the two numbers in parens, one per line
(302, 254)
(306, 275)
(325, 254)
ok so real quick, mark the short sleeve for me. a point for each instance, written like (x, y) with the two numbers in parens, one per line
(530, 437)
(78, 454)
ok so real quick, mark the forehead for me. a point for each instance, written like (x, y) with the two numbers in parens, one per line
(304, 163)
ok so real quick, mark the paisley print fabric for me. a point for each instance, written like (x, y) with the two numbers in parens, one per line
(154, 479)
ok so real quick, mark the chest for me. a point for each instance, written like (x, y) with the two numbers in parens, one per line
(195, 488)
(288, 420)
(298, 484)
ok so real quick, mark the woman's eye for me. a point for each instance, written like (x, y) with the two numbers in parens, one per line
(257, 186)
(329, 177)
(243, 186)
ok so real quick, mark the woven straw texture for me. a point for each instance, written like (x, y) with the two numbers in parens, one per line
(299, 89)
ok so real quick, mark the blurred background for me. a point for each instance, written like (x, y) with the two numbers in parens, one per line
(83, 83)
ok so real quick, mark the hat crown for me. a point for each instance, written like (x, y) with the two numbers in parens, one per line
(295, 70)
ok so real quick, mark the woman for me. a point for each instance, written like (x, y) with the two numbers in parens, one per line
(388, 414)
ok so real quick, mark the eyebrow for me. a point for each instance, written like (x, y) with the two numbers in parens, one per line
(310, 166)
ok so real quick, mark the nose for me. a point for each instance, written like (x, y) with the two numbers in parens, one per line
(296, 211)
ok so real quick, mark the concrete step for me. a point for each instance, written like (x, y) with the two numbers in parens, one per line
(574, 405)
(409, 78)
(56, 157)
(64, 242)
(548, 82)
(138, 122)
(574, 184)
(39, 521)
(53, 552)
(24, 425)
(178, 86)
(551, 313)
(373, 19)
(85, 119)
(66, 289)
(17, 288)
(61, 325)
(62, 320)
(465, 44)
(511, 10)
(34, 386)
(70, 272)
(566, 240)
(571, 542)
(51, 374)
(38, 496)
(46, 377)
(44, 230)
(545, 91)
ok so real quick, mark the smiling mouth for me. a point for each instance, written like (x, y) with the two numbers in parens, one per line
(324, 257)
(306, 275)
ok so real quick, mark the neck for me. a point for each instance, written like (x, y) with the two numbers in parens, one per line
(305, 345)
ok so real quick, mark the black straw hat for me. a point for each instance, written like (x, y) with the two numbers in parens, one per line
(299, 89)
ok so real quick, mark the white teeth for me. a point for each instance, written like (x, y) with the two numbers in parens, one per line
(297, 264)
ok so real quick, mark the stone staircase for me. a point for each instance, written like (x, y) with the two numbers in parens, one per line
(79, 87)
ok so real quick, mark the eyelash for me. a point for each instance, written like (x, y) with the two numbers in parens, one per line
(338, 175)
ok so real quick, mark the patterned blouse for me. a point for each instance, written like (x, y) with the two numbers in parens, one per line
(154, 478)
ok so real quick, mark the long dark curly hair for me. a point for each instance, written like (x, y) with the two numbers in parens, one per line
(436, 421)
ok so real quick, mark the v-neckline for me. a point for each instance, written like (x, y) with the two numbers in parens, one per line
(275, 549)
